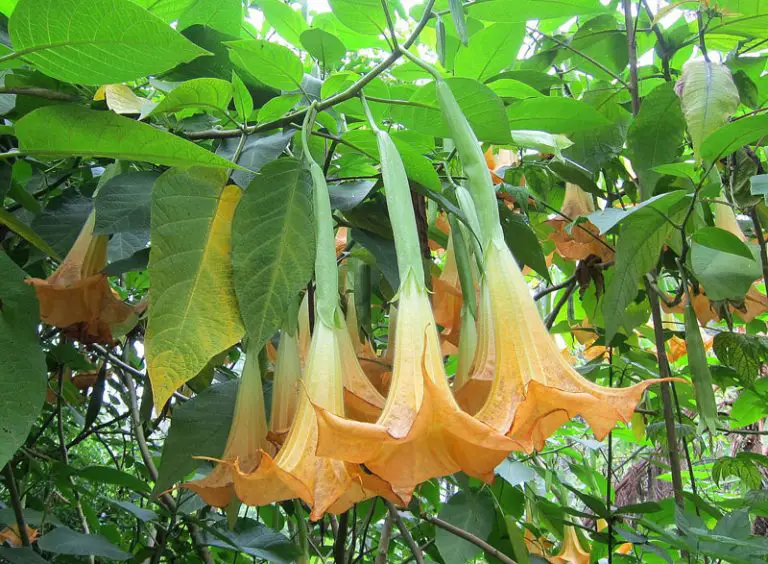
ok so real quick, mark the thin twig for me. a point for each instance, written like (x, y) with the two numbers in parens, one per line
(559, 305)
(40, 93)
(632, 51)
(760, 241)
(18, 511)
(546, 291)
(412, 545)
(386, 532)
(467, 536)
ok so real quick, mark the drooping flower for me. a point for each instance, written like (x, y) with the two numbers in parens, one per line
(472, 391)
(421, 433)
(298, 471)
(77, 297)
(247, 441)
(285, 387)
(571, 551)
(447, 299)
(583, 239)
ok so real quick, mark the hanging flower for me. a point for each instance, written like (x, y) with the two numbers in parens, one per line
(285, 387)
(447, 300)
(472, 391)
(571, 551)
(376, 368)
(584, 239)
(77, 297)
(247, 441)
(323, 483)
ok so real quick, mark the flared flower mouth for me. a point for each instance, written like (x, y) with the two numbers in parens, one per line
(325, 484)
(535, 389)
(247, 441)
(77, 297)
(571, 551)
(421, 433)
(577, 242)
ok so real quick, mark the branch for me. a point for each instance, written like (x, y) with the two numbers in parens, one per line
(632, 51)
(386, 532)
(40, 93)
(467, 536)
(415, 550)
(16, 503)
(546, 291)
(559, 305)
(342, 96)
(760, 241)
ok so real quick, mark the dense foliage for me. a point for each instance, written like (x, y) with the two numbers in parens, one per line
(277, 277)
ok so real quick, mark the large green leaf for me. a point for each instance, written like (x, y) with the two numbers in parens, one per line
(472, 512)
(96, 41)
(323, 46)
(207, 93)
(199, 428)
(273, 246)
(483, 109)
(27, 233)
(708, 96)
(700, 374)
(724, 274)
(522, 241)
(655, 136)
(256, 540)
(733, 136)
(61, 221)
(361, 16)
(287, 22)
(22, 362)
(222, 15)
(64, 131)
(641, 239)
(513, 11)
(123, 203)
(193, 314)
(554, 115)
(272, 64)
(491, 50)
(744, 353)
(63, 540)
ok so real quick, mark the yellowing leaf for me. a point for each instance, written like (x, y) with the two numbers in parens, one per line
(120, 99)
(193, 314)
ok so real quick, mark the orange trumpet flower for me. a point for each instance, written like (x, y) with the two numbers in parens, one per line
(584, 239)
(285, 387)
(247, 440)
(447, 299)
(77, 297)
(571, 551)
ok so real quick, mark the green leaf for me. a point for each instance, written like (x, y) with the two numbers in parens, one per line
(491, 50)
(256, 540)
(655, 136)
(23, 555)
(194, 314)
(513, 11)
(722, 240)
(207, 93)
(276, 212)
(259, 149)
(554, 115)
(113, 476)
(708, 97)
(62, 220)
(744, 353)
(287, 22)
(27, 233)
(225, 16)
(96, 41)
(23, 374)
(511, 88)
(733, 136)
(522, 241)
(346, 195)
(324, 47)
(65, 131)
(606, 220)
(641, 239)
(143, 515)
(514, 473)
(484, 111)
(272, 64)
(644, 507)
(199, 427)
(123, 203)
(700, 375)
(382, 250)
(724, 275)
(739, 466)
(361, 16)
(472, 512)
(759, 186)
(243, 98)
(278, 107)
(63, 540)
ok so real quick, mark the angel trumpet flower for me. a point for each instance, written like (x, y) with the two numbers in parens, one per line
(247, 440)
(571, 551)
(285, 387)
(421, 433)
(447, 298)
(534, 389)
(297, 471)
(583, 239)
(77, 297)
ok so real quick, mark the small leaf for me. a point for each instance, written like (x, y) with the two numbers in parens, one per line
(361, 16)
(272, 64)
(323, 47)
(243, 98)
(287, 22)
(734, 136)
(96, 41)
(64, 131)
(273, 246)
(514, 473)
(212, 94)
(346, 195)
(143, 515)
(259, 150)
(194, 314)
(256, 540)
(459, 20)
(113, 476)
(522, 241)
